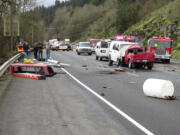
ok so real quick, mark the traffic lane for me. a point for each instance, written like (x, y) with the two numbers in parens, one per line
(52, 107)
(88, 65)
(129, 95)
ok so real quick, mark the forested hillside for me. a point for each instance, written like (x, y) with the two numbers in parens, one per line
(164, 21)
(82, 19)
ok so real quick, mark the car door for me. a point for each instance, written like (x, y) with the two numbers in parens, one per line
(114, 52)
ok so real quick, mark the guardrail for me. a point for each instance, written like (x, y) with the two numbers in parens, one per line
(5, 66)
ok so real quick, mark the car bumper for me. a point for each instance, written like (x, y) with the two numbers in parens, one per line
(84, 51)
(162, 56)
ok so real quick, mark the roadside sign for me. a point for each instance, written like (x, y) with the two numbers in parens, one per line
(15, 26)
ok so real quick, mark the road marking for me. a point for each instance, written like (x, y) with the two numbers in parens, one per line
(132, 74)
(111, 105)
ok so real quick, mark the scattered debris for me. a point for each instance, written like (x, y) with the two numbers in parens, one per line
(64, 125)
(105, 87)
(107, 72)
(132, 82)
(171, 97)
(119, 69)
(84, 65)
(102, 94)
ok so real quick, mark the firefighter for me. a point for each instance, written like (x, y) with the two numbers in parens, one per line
(20, 47)
(21, 50)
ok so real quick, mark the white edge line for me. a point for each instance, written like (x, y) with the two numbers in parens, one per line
(111, 105)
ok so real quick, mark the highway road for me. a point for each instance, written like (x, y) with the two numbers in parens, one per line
(53, 106)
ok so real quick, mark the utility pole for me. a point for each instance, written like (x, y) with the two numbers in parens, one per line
(32, 34)
(11, 25)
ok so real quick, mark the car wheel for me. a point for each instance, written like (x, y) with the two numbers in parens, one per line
(110, 62)
(150, 66)
(100, 58)
(89, 53)
(78, 53)
(97, 57)
(131, 65)
(168, 61)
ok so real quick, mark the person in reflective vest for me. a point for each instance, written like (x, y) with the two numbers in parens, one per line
(21, 50)
(20, 47)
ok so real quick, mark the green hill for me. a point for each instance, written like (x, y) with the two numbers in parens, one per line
(162, 22)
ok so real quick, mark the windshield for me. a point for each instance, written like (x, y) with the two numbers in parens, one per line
(84, 45)
(135, 50)
(93, 42)
(155, 43)
(104, 45)
(122, 45)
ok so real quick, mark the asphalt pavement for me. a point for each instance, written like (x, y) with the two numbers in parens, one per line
(124, 90)
(60, 105)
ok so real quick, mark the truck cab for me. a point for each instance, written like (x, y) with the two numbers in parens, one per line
(161, 47)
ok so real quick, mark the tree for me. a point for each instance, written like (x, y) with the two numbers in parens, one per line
(60, 22)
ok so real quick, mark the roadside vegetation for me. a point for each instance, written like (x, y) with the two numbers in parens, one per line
(83, 19)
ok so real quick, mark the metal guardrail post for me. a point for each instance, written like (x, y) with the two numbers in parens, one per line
(5, 66)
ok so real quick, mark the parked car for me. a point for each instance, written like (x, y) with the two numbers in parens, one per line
(102, 50)
(84, 47)
(114, 50)
(65, 47)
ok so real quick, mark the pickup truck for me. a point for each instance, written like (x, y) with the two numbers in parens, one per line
(136, 56)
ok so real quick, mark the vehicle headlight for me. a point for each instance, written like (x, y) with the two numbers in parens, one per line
(138, 60)
(167, 52)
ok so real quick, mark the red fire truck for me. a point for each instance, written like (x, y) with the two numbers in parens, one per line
(161, 47)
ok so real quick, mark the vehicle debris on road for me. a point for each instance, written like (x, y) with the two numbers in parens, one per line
(37, 71)
(119, 69)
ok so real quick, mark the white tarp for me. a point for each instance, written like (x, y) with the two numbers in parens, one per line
(158, 88)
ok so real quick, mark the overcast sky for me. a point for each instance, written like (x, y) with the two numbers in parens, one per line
(46, 2)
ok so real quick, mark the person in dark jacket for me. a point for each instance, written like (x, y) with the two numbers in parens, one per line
(35, 50)
(40, 50)
(26, 47)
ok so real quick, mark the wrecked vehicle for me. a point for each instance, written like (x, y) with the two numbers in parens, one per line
(31, 71)
(135, 56)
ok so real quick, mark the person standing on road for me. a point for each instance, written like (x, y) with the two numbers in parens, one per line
(35, 50)
(26, 47)
(20, 48)
(48, 47)
(40, 50)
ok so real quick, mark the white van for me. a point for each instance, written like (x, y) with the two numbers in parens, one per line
(114, 50)
(102, 50)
